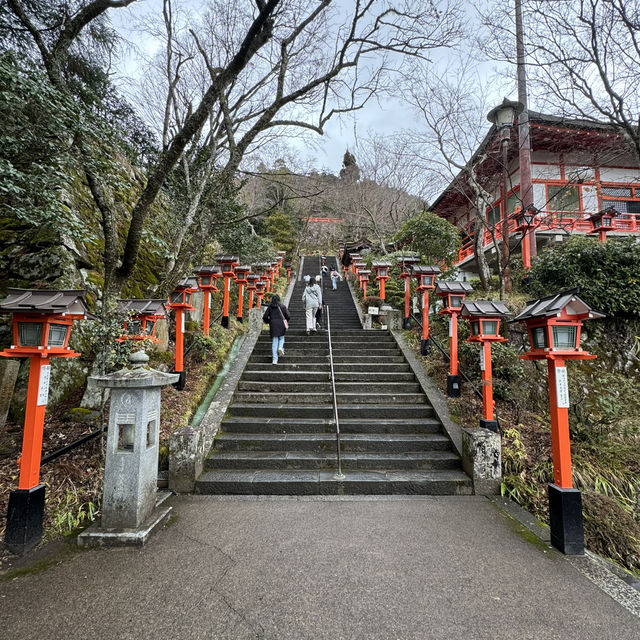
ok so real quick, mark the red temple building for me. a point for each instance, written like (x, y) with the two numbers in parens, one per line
(578, 168)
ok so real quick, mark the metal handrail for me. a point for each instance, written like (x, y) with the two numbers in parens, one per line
(339, 475)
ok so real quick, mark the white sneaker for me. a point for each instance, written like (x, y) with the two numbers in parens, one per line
(274, 362)
(280, 352)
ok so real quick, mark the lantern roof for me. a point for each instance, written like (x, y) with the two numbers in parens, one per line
(364, 272)
(380, 265)
(407, 259)
(228, 258)
(141, 306)
(609, 211)
(282, 253)
(253, 277)
(208, 269)
(444, 287)
(484, 309)
(49, 301)
(425, 270)
(187, 283)
(359, 264)
(243, 268)
(568, 302)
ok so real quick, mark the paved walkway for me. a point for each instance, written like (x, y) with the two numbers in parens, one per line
(424, 567)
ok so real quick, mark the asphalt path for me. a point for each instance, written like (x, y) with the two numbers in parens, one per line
(421, 567)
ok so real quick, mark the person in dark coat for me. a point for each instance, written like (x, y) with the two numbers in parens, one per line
(275, 316)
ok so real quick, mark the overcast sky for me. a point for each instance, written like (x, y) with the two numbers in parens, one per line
(382, 117)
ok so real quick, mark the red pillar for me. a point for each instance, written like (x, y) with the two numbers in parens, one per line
(363, 284)
(453, 344)
(240, 300)
(560, 442)
(251, 298)
(487, 383)
(602, 235)
(381, 288)
(29, 461)
(526, 252)
(425, 314)
(407, 302)
(206, 312)
(179, 365)
(225, 300)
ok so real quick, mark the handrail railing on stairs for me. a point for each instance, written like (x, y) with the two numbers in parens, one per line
(339, 475)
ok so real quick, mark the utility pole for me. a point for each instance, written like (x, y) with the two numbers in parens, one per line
(524, 139)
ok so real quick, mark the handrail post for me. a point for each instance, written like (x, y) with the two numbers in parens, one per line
(339, 475)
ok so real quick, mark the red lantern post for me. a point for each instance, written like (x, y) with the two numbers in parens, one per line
(227, 264)
(425, 276)
(382, 275)
(525, 220)
(288, 268)
(42, 321)
(603, 222)
(554, 324)
(144, 314)
(252, 280)
(484, 317)
(281, 255)
(180, 302)
(406, 262)
(453, 295)
(363, 277)
(261, 286)
(207, 278)
(241, 281)
(355, 257)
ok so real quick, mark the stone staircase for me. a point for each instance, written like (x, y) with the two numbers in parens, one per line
(279, 437)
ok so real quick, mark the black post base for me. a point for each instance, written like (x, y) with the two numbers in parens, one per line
(425, 347)
(240, 319)
(492, 425)
(225, 322)
(24, 519)
(565, 520)
(453, 386)
(406, 323)
(182, 380)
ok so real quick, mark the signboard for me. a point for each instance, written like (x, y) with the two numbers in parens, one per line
(482, 359)
(383, 326)
(183, 316)
(373, 311)
(43, 387)
(562, 387)
(450, 327)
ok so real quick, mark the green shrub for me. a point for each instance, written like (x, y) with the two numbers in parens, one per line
(605, 272)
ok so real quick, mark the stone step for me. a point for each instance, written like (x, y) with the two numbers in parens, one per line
(315, 397)
(295, 482)
(337, 359)
(325, 411)
(261, 424)
(300, 386)
(284, 375)
(353, 442)
(350, 461)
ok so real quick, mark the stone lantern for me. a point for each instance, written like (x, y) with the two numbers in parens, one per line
(180, 303)
(207, 280)
(143, 316)
(41, 323)
(425, 276)
(554, 325)
(241, 280)
(129, 512)
(484, 316)
(406, 262)
(227, 264)
(453, 294)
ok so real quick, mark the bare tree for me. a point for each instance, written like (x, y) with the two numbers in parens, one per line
(453, 106)
(583, 58)
(323, 61)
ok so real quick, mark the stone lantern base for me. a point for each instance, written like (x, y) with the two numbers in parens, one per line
(97, 536)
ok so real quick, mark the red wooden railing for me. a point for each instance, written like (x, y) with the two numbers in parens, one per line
(555, 220)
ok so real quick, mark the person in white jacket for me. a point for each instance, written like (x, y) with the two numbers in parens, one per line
(312, 298)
